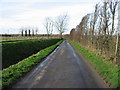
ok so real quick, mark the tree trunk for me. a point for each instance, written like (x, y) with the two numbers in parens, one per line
(116, 48)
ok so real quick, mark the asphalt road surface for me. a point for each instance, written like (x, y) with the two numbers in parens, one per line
(63, 68)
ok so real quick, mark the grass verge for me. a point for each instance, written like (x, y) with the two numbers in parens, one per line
(105, 68)
(13, 72)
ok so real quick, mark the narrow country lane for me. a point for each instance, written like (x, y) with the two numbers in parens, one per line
(64, 68)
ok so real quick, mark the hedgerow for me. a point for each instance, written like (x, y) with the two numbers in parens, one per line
(13, 72)
(15, 51)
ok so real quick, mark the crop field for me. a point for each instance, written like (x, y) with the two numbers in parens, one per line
(13, 38)
(18, 38)
(15, 51)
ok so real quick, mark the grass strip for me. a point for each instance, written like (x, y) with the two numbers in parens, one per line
(13, 72)
(106, 69)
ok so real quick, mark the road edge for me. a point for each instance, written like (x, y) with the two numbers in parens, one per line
(108, 85)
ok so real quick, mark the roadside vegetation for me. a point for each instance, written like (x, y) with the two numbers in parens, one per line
(99, 31)
(13, 72)
(15, 51)
(106, 69)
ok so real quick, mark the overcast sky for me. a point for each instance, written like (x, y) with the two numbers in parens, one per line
(15, 14)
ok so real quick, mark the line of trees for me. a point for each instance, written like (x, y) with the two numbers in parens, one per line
(98, 31)
(29, 31)
(60, 23)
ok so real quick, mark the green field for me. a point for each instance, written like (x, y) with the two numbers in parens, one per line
(13, 72)
(105, 68)
(15, 51)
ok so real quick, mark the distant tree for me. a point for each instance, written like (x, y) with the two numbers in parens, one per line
(61, 24)
(72, 34)
(49, 26)
(29, 32)
(22, 32)
(25, 32)
(32, 32)
(36, 31)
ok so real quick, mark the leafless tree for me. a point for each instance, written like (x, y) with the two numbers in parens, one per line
(105, 15)
(32, 32)
(97, 31)
(113, 5)
(36, 30)
(49, 26)
(95, 17)
(61, 24)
